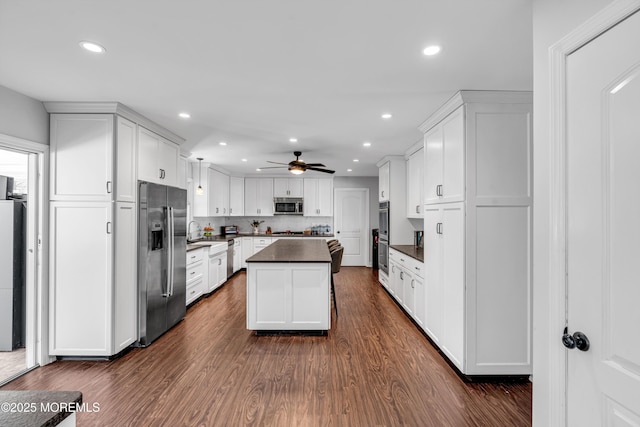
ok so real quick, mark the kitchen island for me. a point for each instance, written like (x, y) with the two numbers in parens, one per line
(288, 287)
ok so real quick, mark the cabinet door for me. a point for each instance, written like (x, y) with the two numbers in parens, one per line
(219, 188)
(125, 318)
(236, 196)
(280, 187)
(415, 184)
(408, 287)
(81, 278)
(325, 197)
(222, 269)
(265, 197)
(433, 272)
(247, 250)
(295, 188)
(419, 300)
(432, 164)
(168, 154)
(148, 146)
(214, 273)
(310, 207)
(383, 182)
(82, 157)
(453, 157)
(126, 183)
(251, 196)
(453, 279)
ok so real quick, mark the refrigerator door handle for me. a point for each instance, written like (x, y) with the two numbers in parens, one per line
(171, 249)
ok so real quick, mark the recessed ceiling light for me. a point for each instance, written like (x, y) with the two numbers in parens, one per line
(222, 143)
(258, 170)
(185, 115)
(349, 170)
(366, 144)
(431, 50)
(244, 160)
(356, 160)
(386, 116)
(293, 139)
(92, 47)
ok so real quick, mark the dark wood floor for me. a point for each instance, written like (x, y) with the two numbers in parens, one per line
(373, 369)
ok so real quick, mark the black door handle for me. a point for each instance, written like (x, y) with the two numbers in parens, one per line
(578, 340)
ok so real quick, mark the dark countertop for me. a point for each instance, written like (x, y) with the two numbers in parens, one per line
(294, 250)
(37, 407)
(196, 244)
(410, 250)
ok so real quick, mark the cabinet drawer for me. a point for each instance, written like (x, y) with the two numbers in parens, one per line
(194, 290)
(262, 241)
(195, 256)
(415, 267)
(195, 271)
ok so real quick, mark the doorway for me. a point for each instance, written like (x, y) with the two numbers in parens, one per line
(351, 220)
(21, 294)
(594, 248)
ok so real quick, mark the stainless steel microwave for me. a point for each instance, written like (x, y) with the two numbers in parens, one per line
(288, 206)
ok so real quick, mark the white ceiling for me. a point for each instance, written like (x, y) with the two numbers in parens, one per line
(254, 73)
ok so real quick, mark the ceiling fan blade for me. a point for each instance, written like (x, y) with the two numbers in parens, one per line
(277, 163)
(320, 170)
(316, 164)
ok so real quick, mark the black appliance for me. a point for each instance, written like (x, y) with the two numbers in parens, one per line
(230, 250)
(383, 238)
(374, 248)
(6, 187)
(288, 206)
(229, 230)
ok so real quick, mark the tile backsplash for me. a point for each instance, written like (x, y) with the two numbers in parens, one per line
(277, 223)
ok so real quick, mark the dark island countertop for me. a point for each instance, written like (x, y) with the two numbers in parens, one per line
(294, 250)
(37, 407)
(410, 250)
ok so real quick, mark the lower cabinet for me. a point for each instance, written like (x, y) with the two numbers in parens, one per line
(237, 254)
(196, 274)
(406, 284)
(247, 250)
(92, 286)
(217, 269)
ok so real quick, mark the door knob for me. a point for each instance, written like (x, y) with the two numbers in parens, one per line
(577, 340)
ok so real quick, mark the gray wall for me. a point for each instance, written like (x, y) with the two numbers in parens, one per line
(370, 182)
(23, 117)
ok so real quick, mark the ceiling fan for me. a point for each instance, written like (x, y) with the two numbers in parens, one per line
(298, 167)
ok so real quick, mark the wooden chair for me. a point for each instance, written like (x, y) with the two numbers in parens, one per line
(336, 262)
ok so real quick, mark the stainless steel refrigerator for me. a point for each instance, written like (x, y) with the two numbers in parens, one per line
(162, 276)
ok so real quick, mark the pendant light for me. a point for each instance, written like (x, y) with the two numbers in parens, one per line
(200, 190)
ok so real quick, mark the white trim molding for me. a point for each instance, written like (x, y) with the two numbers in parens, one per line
(556, 377)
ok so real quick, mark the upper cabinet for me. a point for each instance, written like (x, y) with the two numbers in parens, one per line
(109, 141)
(318, 197)
(415, 182)
(383, 182)
(444, 160)
(157, 158)
(214, 200)
(287, 187)
(236, 196)
(258, 197)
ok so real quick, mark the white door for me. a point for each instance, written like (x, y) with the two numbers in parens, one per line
(603, 228)
(352, 224)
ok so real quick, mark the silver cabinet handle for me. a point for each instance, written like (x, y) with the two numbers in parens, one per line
(219, 261)
(109, 227)
(417, 207)
(192, 273)
(439, 190)
(439, 228)
(382, 193)
(412, 281)
(402, 275)
(108, 187)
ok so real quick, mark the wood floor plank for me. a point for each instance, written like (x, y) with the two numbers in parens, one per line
(375, 368)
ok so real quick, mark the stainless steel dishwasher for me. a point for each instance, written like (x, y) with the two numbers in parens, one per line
(230, 243)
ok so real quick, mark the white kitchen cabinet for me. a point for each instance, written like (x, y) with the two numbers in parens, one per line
(287, 187)
(157, 158)
(444, 160)
(196, 273)
(415, 183)
(236, 196)
(184, 172)
(92, 285)
(318, 197)
(93, 157)
(218, 186)
(383, 182)
(394, 171)
(247, 250)
(258, 196)
(237, 254)
(478, 231)
(406, 284)
(217, 269)
(259, 243)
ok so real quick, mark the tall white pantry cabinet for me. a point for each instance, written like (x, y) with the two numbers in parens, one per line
(477, 225)
(93, 223)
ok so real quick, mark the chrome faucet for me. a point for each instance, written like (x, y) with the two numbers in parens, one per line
(189, 229)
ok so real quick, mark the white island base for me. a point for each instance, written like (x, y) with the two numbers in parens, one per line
(289, 296)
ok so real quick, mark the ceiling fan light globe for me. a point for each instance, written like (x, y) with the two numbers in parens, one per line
(296, 170)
